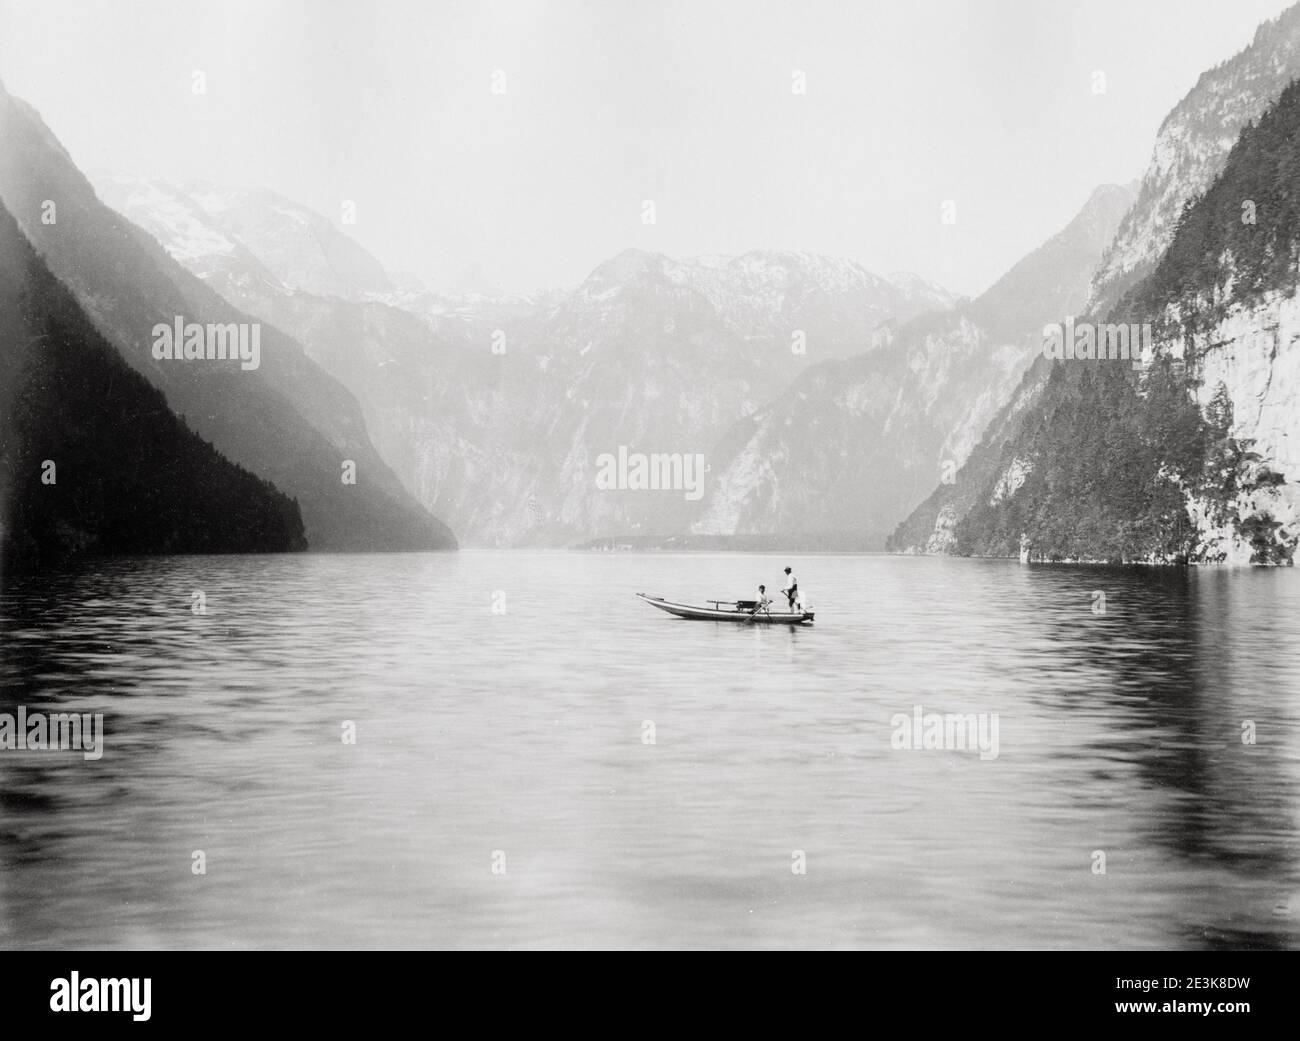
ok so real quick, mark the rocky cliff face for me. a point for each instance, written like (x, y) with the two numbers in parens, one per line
(1251, 357)
(1190, 154)
(1223, 303)
(1193, 456)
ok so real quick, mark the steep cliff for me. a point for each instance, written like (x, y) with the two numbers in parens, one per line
(1191, 149)
(1193, 456)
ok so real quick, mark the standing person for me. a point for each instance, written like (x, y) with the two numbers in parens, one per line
(791, 589)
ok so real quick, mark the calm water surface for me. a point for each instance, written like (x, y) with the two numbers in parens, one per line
(523, 732)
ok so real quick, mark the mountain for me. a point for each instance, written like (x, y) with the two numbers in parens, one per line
(1197, 456)
(766, 294)
(283, 418)
(1191, 149)
(232, 227)
(651, 353)
(234, 237)
(91, 459)
(855, 443)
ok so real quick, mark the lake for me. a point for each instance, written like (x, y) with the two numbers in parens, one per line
(538, 759)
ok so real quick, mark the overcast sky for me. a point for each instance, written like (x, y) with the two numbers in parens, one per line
(612, 103)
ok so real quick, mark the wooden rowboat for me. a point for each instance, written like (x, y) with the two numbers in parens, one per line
(730, 611)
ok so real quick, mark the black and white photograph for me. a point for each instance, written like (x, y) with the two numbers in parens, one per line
(651, 475)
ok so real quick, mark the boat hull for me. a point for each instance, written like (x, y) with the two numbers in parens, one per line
(729, 614)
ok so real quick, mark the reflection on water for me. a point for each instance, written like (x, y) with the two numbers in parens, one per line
(520, 739)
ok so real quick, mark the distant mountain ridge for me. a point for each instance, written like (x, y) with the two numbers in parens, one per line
(649, 352)
(856, 443)
(237, 237)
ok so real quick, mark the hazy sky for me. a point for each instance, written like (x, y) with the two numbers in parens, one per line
(608, 104)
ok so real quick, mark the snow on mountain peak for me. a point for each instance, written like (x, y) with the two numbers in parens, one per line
(184, 230)
(298, 247)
